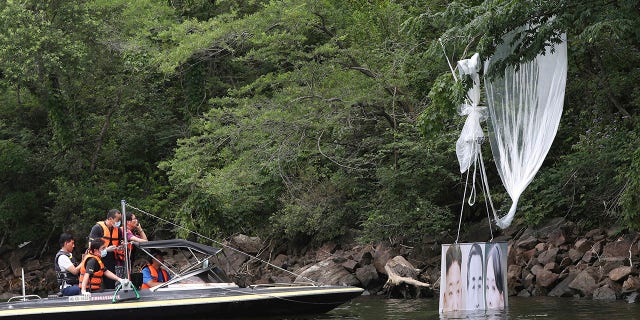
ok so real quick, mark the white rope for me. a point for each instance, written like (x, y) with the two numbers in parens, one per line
(472, 195)
(464, 195)
(221, 244)
(485, 191)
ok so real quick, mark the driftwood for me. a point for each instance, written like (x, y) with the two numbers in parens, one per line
(400, 271)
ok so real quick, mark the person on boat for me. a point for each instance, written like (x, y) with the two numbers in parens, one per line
(93, 269)
(66, 266)
(153, 274)
(452, 298)
(134, 229)
(109, 232)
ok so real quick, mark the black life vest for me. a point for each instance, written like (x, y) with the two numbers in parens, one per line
(64, 276)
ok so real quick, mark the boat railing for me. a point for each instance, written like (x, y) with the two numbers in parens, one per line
(25, 298)
(205, 267)
(283, 284)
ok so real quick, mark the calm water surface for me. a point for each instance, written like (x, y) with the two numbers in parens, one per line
(541, 308)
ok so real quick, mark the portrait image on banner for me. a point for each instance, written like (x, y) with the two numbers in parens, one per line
(496, 276)
(472, 276)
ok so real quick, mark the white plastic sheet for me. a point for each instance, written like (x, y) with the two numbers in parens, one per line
(467, 147)
(524, 106)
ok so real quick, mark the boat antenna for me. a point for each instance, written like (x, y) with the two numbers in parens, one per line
(220, 243)
(126, 244)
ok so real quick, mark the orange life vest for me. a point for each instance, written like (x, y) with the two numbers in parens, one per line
(95, 280)
(112, 237)
(154, 276)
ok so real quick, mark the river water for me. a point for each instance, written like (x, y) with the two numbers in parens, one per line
(538, 308)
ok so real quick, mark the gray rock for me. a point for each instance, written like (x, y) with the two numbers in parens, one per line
(537, 269)
(548, 256)
(528, 243)
(364, 256)
(604, 293)
(524, 293)
(618, 250)
(619, 273)
(563, 289)
(326, 251)
(251, 245)
(583, 245)
(546, 278)
(514, 272)
(632, 297)
(328, 272)
(594, 233)
(557, 237)
(350, 265)
(541, 246)
(367, 275)
(381, 255)
(631, 284)
(280, 261)
(575, 255)
(584, 283)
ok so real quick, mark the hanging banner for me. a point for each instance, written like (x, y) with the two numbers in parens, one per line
(473, 276)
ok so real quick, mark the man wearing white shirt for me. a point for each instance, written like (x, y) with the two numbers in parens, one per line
(67, 268)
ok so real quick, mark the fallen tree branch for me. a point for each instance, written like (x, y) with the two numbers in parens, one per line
(396, 279)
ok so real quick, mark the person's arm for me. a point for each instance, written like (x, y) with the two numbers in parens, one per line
(65, 263)
(137, 239)
(91, 265)
(148, 279)
(83, 285)
(112, 276)
(152, 283)
(142, 235)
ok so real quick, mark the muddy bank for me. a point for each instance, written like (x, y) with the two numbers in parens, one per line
(556, 259)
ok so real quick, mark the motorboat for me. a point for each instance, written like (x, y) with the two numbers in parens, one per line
(198, 288)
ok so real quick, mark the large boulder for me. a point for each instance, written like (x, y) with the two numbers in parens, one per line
(244, 243)
(546, 278)
(562, 289)
(619, 250)
(367, 275)
(382, 254)
(548, 256)
(620, 273)
(364, 256)
(604, 293)
(328, 272)
(584, 283)
(632, 284)
(326, 251)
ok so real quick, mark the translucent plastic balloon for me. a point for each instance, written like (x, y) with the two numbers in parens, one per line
(525, 105)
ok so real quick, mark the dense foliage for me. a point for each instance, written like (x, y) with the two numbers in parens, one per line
(302, 120)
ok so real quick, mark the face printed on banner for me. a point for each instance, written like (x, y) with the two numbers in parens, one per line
(453, 285)
(475, 285)
(494, 280)
(453, 293)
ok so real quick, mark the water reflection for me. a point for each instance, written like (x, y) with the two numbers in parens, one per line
(539, 308)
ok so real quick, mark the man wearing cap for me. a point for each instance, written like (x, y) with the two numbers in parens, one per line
(153, 274)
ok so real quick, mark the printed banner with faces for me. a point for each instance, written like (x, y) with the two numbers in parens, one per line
(473, 276)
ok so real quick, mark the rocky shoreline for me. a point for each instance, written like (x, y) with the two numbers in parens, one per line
(557, 259)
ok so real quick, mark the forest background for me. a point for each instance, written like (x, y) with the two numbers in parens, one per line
(297, 120)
